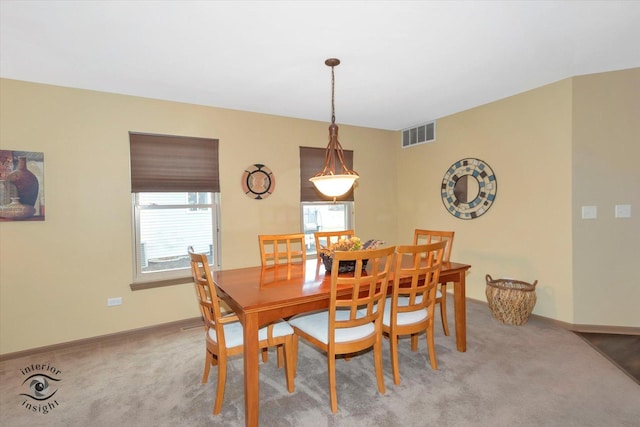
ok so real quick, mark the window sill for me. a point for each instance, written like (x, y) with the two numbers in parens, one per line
(160, 283)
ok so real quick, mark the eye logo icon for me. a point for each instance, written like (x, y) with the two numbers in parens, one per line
(40, 386)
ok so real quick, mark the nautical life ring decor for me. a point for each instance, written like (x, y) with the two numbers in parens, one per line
(258, 182)
(468, 188)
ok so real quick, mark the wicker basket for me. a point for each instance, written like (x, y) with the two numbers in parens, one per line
(511, 301)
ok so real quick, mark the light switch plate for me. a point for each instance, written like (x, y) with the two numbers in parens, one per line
(623, 211)
(589, 212)
(114, 301)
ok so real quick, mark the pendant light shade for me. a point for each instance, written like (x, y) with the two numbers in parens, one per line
(329, 181)
(334, 185)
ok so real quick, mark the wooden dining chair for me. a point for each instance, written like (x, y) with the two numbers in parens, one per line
(282, 248)
(325, 238)
(353, 321)
(421, 236)
(410, 308)
(277, 249)
(224, 334)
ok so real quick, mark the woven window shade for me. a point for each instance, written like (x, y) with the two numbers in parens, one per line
(311, 162)
(167, 163)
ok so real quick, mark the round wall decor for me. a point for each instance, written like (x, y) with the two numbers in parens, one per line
(468, 188)
(258, 182)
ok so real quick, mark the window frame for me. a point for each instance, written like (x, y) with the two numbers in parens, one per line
(146, 280)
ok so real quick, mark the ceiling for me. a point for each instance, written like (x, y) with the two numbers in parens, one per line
(403, 62)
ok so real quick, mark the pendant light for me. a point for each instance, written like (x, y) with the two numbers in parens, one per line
(328, 181)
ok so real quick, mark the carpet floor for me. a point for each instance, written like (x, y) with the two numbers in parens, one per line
(536, 374)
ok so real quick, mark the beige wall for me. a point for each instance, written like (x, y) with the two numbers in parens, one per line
(553, 149)
(606, 172)
(526, 234)
(56, 275)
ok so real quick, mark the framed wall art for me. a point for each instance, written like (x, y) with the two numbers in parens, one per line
(468, 188)
(258, 182)
(21, 186)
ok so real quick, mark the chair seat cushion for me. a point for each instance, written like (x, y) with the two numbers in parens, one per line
(317, 325)
(233, 332)
(405, 318)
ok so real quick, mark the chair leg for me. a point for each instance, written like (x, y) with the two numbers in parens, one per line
(393, 344)
(265, 355)
(295, 355)
(377, 355)
(331, 358)
(431, 344)
(290, 354)
(208, 361)
(443, 308)
(281, 357)
(222, 379)
(414, 342)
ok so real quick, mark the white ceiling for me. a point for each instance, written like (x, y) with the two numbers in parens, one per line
(403, 62)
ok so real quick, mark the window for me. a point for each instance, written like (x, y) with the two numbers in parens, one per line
(166, 224)
(322, 216)
(175, 204)
(319, 212)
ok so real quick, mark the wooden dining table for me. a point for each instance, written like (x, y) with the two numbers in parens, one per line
(261, 295)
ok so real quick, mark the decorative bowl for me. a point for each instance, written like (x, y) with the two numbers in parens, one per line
(344, 267)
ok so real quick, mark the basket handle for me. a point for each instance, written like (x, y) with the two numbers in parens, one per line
(490, 279)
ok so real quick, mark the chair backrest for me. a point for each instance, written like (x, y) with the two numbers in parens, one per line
(206, 295)
(415, 277)
(363, 292)
(421, 237)
(282, 248)
(325, 238)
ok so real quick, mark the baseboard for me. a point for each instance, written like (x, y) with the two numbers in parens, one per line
(594, 329)
(598, 329)
(184, 324)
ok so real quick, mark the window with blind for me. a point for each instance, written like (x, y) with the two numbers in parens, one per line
(317, 211)
(175, 201)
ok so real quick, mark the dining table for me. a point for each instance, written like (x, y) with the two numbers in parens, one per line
(261, 295)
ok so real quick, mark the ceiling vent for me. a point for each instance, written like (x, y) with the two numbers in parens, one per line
(419, 134)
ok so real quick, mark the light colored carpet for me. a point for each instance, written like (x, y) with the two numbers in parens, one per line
(531, 375)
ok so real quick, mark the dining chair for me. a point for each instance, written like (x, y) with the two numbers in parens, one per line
(353, 321)
(276, 249)
(224, 335)
(421, 236)
(410, 308)
(325, 238)
(282, 248)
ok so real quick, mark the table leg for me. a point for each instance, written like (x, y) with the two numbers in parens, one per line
(251, 371)
(460, 309)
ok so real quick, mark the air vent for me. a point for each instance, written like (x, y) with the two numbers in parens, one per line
(419, 134)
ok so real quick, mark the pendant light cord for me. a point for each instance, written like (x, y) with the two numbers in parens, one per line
(333, 106)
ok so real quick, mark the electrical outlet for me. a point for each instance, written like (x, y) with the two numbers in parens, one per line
(114, 301)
